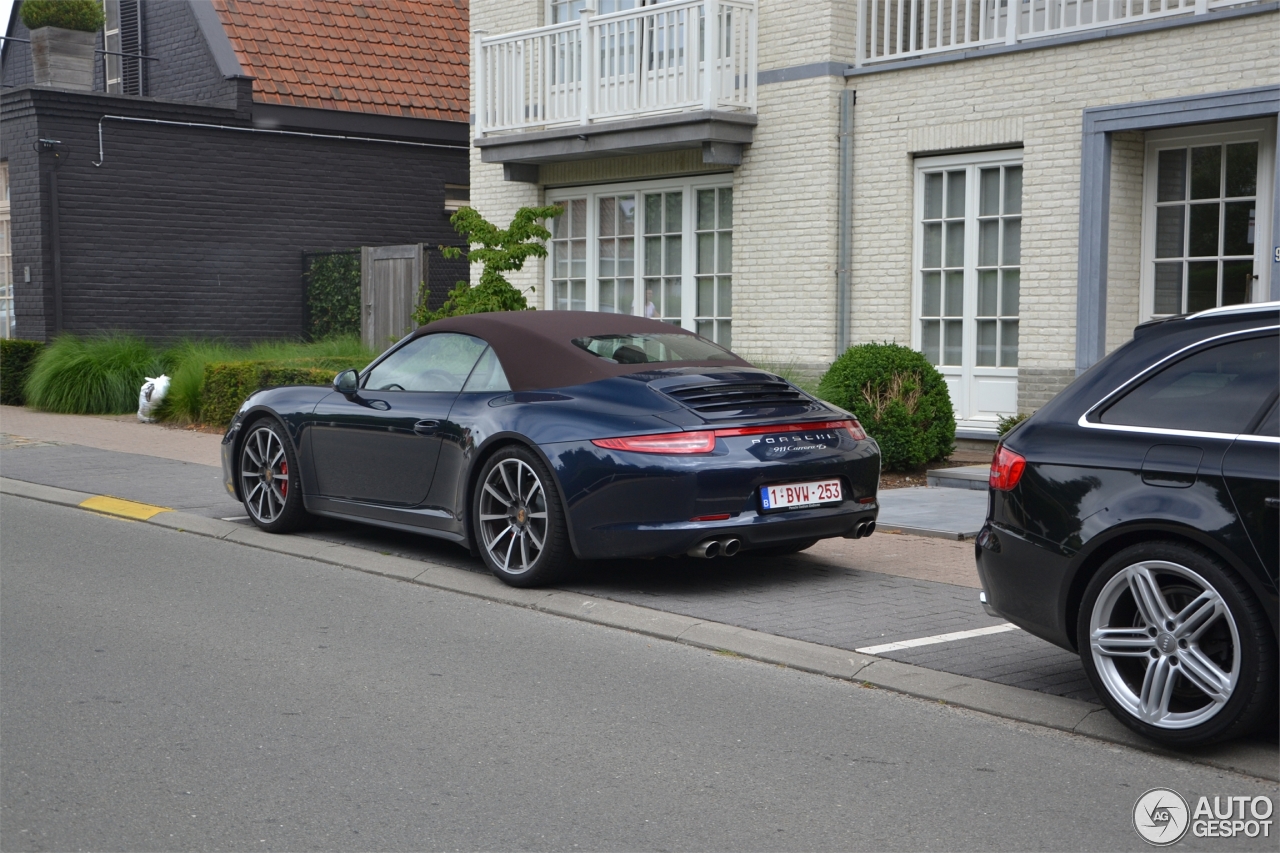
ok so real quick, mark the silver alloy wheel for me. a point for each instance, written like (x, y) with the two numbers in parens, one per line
(513, 516)
(1165, 644)
(264, 475)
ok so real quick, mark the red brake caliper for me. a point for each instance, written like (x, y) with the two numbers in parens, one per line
(284, 472)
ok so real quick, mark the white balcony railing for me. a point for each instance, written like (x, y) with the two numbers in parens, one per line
(899, 29)
(645, 61)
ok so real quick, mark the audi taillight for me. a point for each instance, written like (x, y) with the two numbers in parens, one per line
(1006, 469)
(704, 441)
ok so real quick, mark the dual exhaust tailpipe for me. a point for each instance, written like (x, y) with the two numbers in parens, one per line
(715, 548)
(862, 528)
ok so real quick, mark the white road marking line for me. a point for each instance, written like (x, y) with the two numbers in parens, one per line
(236, 518)
(937, 638)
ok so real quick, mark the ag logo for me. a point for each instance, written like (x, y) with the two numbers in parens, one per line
(1160, 816)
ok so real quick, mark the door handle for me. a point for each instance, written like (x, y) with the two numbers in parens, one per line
(426, 427)
(1272, 503)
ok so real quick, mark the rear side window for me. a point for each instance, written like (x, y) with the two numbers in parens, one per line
(1218, 389)
(1270, 425)
(488, 375)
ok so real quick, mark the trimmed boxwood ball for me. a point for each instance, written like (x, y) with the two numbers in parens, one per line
(83, 15)
(899, 397)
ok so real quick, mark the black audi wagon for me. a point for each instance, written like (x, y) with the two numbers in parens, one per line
(1133, 519)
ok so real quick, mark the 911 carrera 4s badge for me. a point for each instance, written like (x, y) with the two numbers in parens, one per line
(787, 445)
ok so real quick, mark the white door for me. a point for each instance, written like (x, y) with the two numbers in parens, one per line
(967, 280)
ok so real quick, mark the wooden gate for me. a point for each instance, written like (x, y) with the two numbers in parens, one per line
(390, 277)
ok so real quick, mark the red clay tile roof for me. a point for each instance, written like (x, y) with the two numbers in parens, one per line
(394, 57)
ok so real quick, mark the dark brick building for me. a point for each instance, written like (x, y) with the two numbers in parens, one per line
(179, 203)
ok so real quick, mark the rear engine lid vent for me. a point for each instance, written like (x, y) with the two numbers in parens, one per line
(727, 399)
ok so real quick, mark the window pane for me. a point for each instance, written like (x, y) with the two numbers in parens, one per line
(706, 298)
(627, 215)
(955, 194)
(931, 301)
(578, 266)
(933, 245)
(606, 258)
(988, 290)
(1237, 230)
(989, 196)
(726, 211)
(724, 252)
(1168, 289)
(653, 213)
(626, 257)
(933, 196)
(724, 329)
(929, 340)
(675, 210)
(560, 294)
(1013, 189)
(955, 244)
(1009, 295)
(989, 243)
(626, 300)
(955, 294)
(607, 207)
(1202, 238)
(1171, 175)
(987, 330)
(1242, 169)
(653, 256)
(578, 299)
(1236, 278)
(578, 217)
(1012, 242)
(1206, 172)
(725, 294)
(707, 328)
(953, 338)
(1219, 389)
(1008, 343)
(706, 253)
(606, 297)
(1169, 231)
(706, 210)
(671, 297)
(1202, 285)
(672, 256)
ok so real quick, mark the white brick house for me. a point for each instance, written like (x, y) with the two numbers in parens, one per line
(1008, 194)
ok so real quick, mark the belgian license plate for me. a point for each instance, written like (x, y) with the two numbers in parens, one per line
(795, 495)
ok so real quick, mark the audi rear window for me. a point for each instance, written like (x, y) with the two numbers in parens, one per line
(1218, 389)
(652, 348)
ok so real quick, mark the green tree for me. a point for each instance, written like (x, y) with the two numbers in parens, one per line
(500, 251)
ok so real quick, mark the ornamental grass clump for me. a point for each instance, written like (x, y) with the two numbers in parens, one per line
(901, 400)
(98, 375)
(85, 16)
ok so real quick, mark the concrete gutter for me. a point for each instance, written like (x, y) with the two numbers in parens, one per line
(999, 700)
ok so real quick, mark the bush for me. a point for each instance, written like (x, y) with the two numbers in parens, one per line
(333, 295)
(900, 398)
(83, 15)
(91, 376)
(1005, 424)
(227, 385)
(16, 358)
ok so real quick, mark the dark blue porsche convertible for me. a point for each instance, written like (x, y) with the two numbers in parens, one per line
(537, 437)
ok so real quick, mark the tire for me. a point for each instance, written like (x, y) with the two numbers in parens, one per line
(1176, 646)
(269, 481)
(784, 550)
(519, 521)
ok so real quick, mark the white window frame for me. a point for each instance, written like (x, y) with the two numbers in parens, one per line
(6, 256)
(962, 380)
(688, 271)
(1264, 131)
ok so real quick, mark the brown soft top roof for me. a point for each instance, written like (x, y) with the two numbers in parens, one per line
(536, 347)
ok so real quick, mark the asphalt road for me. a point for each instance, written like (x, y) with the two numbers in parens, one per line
(165, 691)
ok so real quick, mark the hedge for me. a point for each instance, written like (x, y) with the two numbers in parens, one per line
(86, 16)
(16, 358)
(227, 384)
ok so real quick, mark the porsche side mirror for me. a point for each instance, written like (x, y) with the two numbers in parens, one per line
(347, 382)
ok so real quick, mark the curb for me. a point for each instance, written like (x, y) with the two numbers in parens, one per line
(999, 700)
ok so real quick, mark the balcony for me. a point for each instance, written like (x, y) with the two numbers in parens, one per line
(904, 29)
(676, 75)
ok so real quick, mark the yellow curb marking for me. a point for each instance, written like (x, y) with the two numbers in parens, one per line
(128, 509)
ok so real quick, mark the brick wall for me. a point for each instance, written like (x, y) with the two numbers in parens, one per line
(199, 232)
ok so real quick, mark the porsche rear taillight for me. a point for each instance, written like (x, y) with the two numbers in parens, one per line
(1006, 469)
(704, 441)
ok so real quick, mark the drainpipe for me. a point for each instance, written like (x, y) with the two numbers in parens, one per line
(56, 247)
(844, 264)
